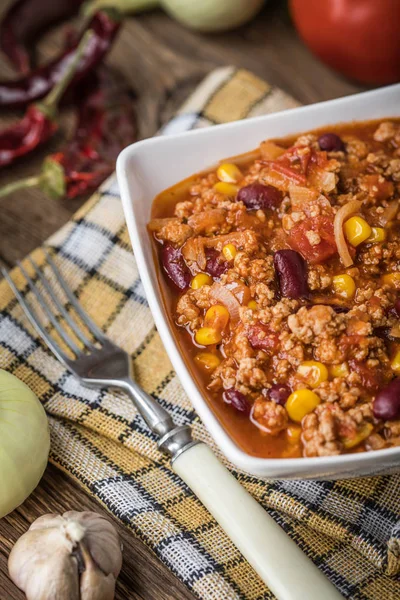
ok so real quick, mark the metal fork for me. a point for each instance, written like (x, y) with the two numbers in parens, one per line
(97, 366)
(100, 363)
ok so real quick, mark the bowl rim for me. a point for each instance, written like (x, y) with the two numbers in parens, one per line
(251, 464)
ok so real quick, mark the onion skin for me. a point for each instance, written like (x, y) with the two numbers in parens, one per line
(24, 435)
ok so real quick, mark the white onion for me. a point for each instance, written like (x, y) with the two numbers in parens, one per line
(202, 15)
(341, 216)
(24, 442)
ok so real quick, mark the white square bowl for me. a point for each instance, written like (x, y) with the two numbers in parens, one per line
(148, 167)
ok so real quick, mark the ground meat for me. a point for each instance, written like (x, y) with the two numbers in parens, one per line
(345, 391)
(189, 307)
(271, 417)
(392, 429)
(250, 376)
(312, 325)
(356, 149)
(385, 131)
(183, 210)
(393, 170)
(172, 230)
(320, 434)
(224, 376)
(318, 278)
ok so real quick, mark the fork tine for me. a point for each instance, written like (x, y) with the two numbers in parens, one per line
(42, 302)
(59, 306)
(96, 332)
(33, 318)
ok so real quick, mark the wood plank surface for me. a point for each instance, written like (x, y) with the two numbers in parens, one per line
(163, 62)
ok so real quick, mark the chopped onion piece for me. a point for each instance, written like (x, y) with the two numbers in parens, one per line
(341, 216)
(219, 293)
(271, 151)
(301, 197)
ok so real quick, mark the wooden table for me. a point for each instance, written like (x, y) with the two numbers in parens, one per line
(163, 62)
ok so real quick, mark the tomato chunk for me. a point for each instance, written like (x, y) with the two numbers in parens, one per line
(314, 252)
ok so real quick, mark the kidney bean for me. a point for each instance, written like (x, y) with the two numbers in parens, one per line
(291, 270)
(330, 142)
(237, 400)
(215, 264)
(262, 338)
(386, 405)
(279, 393)
(174, 266)
(256, 196)
(370, 378)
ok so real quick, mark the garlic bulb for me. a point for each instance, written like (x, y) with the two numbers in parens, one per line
(74, 556)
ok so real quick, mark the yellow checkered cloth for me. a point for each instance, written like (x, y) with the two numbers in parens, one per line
(350, 529)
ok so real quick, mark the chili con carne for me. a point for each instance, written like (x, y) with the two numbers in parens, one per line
(296, 341)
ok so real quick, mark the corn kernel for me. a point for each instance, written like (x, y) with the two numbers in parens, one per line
(392, 279)
(229, 173)
(395, 364)
(339, 370)
(293, 432)
(217, 317)
(206, 336)
(357, 230)
(313, 372)
(228, 189)
(378, 235)
(344, 286)
(253, 305)
(360, 436)
(199, 280)
(300, 403)
(229, 251)
(207, 360)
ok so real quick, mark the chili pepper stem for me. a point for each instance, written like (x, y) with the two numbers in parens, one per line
(22, 184)
(50, 102)
(123, 6)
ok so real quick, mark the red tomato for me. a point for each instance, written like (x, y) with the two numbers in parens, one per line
(320, 252)
(359, 38)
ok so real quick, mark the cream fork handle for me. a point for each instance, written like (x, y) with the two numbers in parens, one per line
(280, 563)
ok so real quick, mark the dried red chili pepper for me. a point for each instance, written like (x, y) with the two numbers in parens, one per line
(105, 125)
(25, 20)
(104, 24)
(39, 122)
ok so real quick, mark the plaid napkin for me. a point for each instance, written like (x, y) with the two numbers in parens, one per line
(350, 529)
